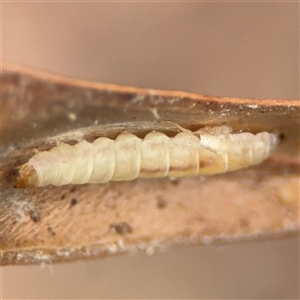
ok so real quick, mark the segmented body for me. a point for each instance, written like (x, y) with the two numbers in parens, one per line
(128, 157)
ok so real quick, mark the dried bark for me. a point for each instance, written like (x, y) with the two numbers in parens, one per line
(85, 221)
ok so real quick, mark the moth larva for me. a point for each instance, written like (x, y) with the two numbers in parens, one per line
(210, 150)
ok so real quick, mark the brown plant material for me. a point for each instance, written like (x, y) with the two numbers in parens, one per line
(52, 224)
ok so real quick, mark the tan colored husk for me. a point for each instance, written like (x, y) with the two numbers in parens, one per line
(54, 224)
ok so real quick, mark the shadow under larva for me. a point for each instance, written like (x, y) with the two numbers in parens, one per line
(207, 151)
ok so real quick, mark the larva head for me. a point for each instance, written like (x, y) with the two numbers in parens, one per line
(27, 177)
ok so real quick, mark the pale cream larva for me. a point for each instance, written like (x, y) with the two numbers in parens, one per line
(210, 150)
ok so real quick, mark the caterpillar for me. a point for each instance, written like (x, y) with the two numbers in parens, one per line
(210, 150)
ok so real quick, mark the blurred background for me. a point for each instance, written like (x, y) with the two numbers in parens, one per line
(219, 48)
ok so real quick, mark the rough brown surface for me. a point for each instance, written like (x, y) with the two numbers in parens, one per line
(58, 224)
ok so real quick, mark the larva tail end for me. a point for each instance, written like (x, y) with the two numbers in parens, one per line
(27, 177)
(275, 139)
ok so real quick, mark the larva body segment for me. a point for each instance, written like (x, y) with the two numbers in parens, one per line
(127, 150)
(155, 155)
(127, 157)
(104, 162)
(184, 155)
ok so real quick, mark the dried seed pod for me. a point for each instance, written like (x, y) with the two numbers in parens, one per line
(210, 150)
